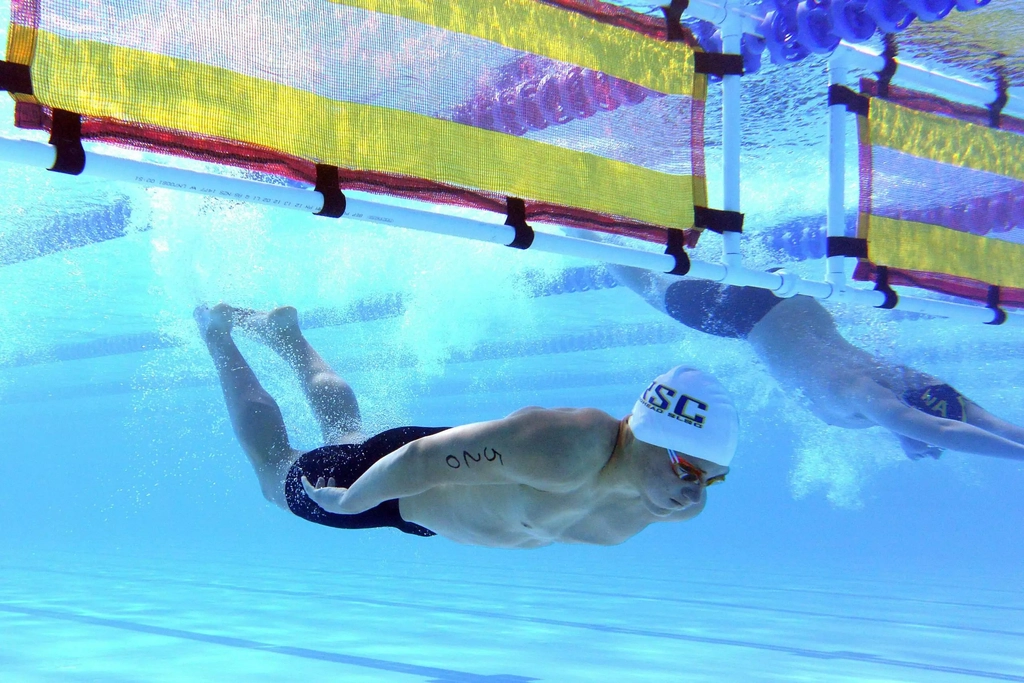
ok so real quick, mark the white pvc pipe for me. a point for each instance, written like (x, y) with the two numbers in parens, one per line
(209, 185)
(719, 13)
(916, 76)
(835, 269)
(731, 141)
(28, 153)
(309, 201)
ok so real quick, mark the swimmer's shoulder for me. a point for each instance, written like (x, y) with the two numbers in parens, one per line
(587, 428)
(581, 413)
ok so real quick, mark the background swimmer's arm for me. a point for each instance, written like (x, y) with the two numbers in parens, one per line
(648, 284)
(884, 409)
(550, 450)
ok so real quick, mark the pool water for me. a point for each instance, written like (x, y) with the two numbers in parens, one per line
(136, 545)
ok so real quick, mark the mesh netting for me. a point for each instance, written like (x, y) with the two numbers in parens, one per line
(580, 108)
(942, 195)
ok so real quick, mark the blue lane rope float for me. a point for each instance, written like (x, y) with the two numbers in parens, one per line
(62, 231)
(369, 309)
(790, 30)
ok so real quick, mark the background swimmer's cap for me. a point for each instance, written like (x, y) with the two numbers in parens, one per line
(688, 411)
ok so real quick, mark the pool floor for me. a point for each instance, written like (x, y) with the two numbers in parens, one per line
(121, 617)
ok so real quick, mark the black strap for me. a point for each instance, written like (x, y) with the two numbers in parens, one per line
(717, 220)
(16, 78)
(846, 246)
(673, 13)
(718, 64)
(995, 110)
(675, 247)
(327, 184)
(882, 285)
(854, 103)
(993, 303)
(889, 70)
(516, 209)
(66, 138)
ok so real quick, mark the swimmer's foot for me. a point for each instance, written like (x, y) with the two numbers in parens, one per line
(212, 322)
(278, 329)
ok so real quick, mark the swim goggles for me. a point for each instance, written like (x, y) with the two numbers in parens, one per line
(689, 472)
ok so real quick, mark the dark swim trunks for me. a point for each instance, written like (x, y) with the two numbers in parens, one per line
(346, 463)
(721, 310)
(940, 400)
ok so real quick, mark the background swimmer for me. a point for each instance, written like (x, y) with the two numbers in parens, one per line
(845, 386)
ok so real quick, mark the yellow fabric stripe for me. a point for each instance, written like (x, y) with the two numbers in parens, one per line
(161, 91)
(532, 26)
(934, 249)
(947, 140)
(21, 43)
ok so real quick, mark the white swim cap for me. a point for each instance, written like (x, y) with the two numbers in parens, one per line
(688, 411)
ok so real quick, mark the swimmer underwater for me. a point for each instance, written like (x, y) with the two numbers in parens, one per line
(845, 386)
(531, 479)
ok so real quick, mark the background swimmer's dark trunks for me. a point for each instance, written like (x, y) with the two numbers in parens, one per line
(346, 463)
(940, 400)
(721, 310)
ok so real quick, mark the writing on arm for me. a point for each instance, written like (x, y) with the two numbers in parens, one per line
(548, 450)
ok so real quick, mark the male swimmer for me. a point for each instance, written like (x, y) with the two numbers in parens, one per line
(527, 480)
(846, 386)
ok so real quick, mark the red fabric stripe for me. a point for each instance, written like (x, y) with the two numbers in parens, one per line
(264, 160)
(606, 13)
(973, 290)
(931, 104)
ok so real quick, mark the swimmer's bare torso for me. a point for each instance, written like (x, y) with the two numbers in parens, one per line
(804, 351)
(848, 387)
(532, 479)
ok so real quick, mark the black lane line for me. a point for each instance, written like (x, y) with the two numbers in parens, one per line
(766, 589)
(571, 591)
(436, 675)
(847, 655)
(626, 578)
(673, 585)
(713, 603)
(447, 676)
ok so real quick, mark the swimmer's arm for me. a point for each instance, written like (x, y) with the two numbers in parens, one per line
(648, 284)
(884, 409)
(549, 450)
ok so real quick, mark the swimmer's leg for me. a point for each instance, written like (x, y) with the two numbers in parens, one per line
(255, 416)
(979, 417)
(333, 402)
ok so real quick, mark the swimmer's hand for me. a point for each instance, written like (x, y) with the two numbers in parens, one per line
(328, 496)
(919, 450)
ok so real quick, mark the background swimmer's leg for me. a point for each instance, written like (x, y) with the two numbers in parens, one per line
(255, 416)
(979, 417)
(333, 402)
